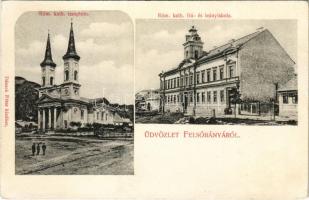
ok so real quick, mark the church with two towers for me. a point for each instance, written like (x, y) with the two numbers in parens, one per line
(61, 107)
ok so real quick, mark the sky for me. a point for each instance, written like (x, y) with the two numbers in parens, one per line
(159, 42)
(104, 40)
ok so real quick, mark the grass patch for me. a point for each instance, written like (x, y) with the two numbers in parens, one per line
(167, 118)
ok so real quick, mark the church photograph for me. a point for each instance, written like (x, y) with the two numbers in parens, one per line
(219, 72)
(74, 93)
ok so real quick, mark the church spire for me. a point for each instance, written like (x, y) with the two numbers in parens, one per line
(48, 60)
(71, 52)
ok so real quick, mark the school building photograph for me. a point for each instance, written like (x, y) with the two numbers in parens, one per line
(249, 77)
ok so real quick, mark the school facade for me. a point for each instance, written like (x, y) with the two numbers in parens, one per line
(240, 76)
(61, 106)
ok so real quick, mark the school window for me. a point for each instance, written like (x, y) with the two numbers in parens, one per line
(177, 81)
(186, 80)
(208, 75)
(222, 96)
(221, 73)
(285, 99)
(294, 99)
(51, 81)
(232, 71)
(203, 76)
(208, 97)
(191, 79)
(191, 98)
(43, 81)
(177, 98)
(214, 74)
(66, 75)
(203, 97)
(174, 98)
(196, 54)
(174, 82)
(198, 77)
(181, 81)
(197, 97)
(215, 96)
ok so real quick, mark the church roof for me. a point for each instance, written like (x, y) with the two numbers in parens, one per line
(71, 51)
(48, 59)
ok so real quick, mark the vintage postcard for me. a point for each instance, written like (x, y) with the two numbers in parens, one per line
(154, 100)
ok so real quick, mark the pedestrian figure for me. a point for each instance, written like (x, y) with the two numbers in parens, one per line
(43, 148)
(33, 149)
(38, 149)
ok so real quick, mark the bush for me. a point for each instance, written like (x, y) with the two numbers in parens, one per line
(77, 124)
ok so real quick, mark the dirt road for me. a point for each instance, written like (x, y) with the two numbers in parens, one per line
(69, 155)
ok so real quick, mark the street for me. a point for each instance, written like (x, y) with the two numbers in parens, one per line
(66, 155)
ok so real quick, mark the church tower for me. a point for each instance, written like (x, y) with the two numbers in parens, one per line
(71, 69)
(48, 67)
(193, 47)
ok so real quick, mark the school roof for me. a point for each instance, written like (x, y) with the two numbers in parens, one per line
(219, 51)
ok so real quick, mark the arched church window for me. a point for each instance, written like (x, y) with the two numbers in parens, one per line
(187, 53)
(43, 80)
(75, 75)
(51, 80)
(82, 114)
(66, 75)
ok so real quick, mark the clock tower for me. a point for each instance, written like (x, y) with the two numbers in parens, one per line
(71, 59)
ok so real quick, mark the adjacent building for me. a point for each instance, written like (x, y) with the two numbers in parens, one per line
(147, 100)
(240, 76)
(288, 99)
(61, 106)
